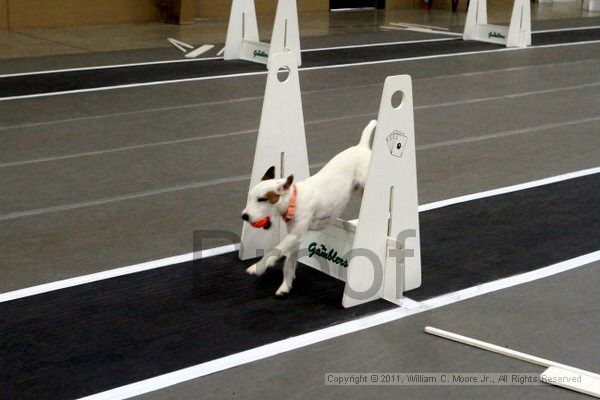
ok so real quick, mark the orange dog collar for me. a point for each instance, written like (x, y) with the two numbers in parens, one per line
(289, 214)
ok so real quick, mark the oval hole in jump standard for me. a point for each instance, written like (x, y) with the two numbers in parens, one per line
(283, 73)
(397, 99)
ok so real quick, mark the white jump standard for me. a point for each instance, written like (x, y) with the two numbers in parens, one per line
(517, 34)
(370, 256)
(242, 33)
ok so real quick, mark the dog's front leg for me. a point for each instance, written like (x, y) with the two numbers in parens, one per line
(289, 272)
(289, 247)
(271, 257)
(268, 260)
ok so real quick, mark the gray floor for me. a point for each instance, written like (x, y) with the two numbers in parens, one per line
(99, 180)
(531, 318)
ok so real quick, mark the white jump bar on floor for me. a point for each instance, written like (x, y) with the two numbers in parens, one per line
(576, 379)
(200, 50)
(423, 30)
(406, 24)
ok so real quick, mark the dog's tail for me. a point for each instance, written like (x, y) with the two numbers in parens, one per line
(367, 133)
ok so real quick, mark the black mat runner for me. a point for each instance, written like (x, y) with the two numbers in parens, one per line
(90, 338)
(103, 77)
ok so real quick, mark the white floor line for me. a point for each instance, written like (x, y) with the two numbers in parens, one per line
(358, 46)
(109, 66)
(246, 74)
(308, 92)
(48, 287)
(509, 189)
(123, 197)
(131, 85)
(115, 66)
(432, 29)
(510, 69)
(327, 120)
(579, 28)
(99, 276)
(241, 178)
(272, 349)
(466, 53)
(503, 134)
(508, 96)
(131, 196)
(96, 67)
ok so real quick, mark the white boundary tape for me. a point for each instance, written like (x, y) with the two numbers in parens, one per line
(509, 189)
(355, 46)
(272, 349)
(113, 273)
(62, 284)
(244, 74)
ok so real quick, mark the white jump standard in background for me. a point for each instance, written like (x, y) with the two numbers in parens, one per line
(517, 34)
(242, 33)
(370, 256)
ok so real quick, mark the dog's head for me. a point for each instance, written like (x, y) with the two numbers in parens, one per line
(265, 199)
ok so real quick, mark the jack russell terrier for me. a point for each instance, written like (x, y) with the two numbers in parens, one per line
(307, 205)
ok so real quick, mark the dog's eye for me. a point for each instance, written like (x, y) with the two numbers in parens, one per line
(261, 199)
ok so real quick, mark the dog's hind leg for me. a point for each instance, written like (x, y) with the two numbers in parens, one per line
(289, 272)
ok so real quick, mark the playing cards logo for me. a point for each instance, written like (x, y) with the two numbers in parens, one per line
(396, 142)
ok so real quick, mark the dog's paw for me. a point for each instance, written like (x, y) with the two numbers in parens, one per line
(283, 290)
(251, 270)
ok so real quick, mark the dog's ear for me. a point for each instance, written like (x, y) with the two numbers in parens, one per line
(270, 174)
(288, 182)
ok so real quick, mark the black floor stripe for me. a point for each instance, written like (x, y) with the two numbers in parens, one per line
(495, 237)
(104, 77)
(90, 338)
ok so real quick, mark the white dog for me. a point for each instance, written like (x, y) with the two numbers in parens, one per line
(307, 205)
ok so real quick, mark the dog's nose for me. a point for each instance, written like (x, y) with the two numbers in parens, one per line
(245, 217)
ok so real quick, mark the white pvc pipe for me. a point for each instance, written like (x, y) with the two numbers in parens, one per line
(504, 351)
(200, 50)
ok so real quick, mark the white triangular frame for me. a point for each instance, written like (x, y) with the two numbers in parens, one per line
(242, 33)
(281, 142)
(517, 34)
